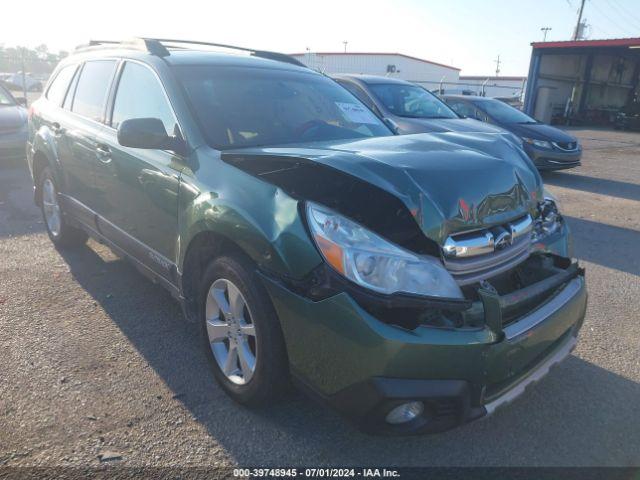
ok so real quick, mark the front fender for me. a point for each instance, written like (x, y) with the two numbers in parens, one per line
(256, 216)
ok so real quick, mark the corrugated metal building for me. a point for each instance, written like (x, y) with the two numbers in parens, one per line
(583, 81)
(395, 65)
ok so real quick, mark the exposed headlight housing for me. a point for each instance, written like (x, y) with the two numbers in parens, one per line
(516, 139)
(549, 221)
(372, 262)
(537, 143)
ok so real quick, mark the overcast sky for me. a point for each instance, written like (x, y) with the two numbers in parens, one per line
(468, 34)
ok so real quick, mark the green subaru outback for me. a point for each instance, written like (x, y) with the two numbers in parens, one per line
(412, 282)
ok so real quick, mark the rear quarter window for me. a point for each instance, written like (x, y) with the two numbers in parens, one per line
(58, 88)
(93, 88)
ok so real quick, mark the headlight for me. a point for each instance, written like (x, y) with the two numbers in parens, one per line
(549, 221)
(537, 143)
(374, 263)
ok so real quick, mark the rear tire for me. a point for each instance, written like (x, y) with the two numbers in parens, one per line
(60, 232)
(241, 332)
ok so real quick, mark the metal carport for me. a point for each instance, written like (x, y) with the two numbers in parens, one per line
(583, 81)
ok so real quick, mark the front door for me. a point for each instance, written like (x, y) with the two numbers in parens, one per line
(139, 204)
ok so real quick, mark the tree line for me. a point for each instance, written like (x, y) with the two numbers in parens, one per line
(38, 60)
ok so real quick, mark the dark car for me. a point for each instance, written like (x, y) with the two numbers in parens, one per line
(549, 147)
(414, 282)
(409, 108)
(628, 118)
(13, 126)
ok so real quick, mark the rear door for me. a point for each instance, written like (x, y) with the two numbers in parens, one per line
(82, 128)
(139, 203)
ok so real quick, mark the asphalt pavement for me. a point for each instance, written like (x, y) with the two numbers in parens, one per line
(97, 363)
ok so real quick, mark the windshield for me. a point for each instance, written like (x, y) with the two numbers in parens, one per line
(5, 97)
(248, 107)
(411, 101)
(504, 113)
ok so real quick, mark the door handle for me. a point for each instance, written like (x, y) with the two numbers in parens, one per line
(57, 129)
(103, 152)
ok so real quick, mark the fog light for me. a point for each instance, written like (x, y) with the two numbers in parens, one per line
(405, 413)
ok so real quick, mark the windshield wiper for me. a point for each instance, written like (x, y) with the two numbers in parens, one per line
(530, 122)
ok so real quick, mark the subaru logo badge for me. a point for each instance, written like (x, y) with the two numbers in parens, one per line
(502, 240)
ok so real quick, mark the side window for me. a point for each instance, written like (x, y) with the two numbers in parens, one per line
(480, 115)
(68, 100)
(140, 95)
(462, 108)
(359, 94)
(58, 87)
(93, 89)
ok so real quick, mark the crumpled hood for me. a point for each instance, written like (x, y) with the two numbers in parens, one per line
(11, 118)
(540, 131)
(450, 182)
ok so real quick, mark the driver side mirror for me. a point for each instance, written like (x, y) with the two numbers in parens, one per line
(21, 100)
(148, 133)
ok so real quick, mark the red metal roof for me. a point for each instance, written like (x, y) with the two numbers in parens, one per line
(376, 53)
(610, 42)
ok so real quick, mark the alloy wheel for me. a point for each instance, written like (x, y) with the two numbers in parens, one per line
(231, 332)
(51, 207)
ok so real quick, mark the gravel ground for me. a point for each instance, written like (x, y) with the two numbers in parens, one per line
(99, 363)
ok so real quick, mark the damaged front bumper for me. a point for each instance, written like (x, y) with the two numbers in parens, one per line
(364, 367)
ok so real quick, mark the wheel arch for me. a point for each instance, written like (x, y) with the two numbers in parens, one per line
(202, 248)
(44, 155)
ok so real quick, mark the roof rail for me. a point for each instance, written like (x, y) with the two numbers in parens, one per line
(144, 44)
(280, 57)
(156, 46)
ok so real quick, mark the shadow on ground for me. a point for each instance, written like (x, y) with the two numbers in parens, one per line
(607, 245)
(18, 213)
(602, 186)
(578, 415)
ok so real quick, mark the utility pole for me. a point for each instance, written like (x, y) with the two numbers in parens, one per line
(577, 30)
(345, 46)
(545, 30)
(24, 78)
(497, 62)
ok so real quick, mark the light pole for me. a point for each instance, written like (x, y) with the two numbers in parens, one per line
(24, 78)
(345, 46)
(545, 30)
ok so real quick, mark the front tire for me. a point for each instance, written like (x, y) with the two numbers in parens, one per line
(60, 232)
(241, 332)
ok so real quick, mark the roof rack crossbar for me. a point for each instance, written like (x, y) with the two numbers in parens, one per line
(156, 46)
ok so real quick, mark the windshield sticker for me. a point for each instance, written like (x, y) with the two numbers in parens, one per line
(357, 113)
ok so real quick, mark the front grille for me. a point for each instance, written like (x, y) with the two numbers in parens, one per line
(472, 257)
(566, 146)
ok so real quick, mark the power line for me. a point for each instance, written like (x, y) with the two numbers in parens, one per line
(622, 15)
(612, 21)
(627, 12)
